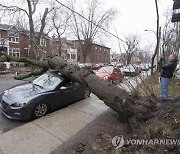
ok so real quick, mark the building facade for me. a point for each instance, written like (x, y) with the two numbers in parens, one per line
(122, 59)
(64, 48)
(97, 53)
(16, 42)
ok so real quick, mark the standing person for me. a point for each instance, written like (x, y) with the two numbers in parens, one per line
(167, 71)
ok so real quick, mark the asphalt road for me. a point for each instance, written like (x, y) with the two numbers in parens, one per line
(7, 81)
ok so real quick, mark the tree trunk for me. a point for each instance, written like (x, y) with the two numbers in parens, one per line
(156, 52)
(119, 100)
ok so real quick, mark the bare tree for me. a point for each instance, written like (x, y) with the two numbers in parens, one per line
(34, 37)
(60, 18)
(145, 55)
(158, 33)
(168, 40)
(131, 47)
(90, 23)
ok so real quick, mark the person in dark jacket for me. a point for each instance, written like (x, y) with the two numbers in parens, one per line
(160, 63)
(167, 71)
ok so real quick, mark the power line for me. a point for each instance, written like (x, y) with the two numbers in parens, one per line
(89, 21)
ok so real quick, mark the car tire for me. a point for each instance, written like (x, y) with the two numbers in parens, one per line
(111, 80)
(121, 80)
(116, 82)
(40, 110)
(87, 93)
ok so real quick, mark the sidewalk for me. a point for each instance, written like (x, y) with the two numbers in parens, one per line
(43, 135)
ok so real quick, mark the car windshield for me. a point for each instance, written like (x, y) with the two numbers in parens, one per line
(108, 70)
(130, 67)
(47, 81)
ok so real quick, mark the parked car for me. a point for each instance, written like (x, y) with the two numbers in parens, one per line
(131, 70)
(145, 67)
(84, 65)
(177, 72)
(97, 66)
(45, 94)
(110, 73)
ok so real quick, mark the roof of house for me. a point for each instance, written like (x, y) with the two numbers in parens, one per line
(93, 43)
(22, 30)
(63, 40)
(5, 26)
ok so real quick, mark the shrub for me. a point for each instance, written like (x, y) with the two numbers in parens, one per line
(2, 67)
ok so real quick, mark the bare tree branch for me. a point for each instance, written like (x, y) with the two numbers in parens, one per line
(14, 8)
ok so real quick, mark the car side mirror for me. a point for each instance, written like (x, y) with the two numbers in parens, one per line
(63, 88)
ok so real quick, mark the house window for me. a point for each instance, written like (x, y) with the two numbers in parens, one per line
(14, 52)
(26, 51)
(13, 37)
(43, 42)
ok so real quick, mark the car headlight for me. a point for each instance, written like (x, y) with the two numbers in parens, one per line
(19, 105)
(105, 77)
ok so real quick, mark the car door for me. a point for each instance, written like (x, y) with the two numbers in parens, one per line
(116, 74)
(62, 96)
(78, 91)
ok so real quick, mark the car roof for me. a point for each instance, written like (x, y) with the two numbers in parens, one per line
(57, 73)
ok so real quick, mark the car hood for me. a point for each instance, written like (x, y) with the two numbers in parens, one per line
(101, 75)
(128, 70)
(23, 93)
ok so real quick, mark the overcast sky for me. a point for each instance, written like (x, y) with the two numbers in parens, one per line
(134, 16)
(137, 15)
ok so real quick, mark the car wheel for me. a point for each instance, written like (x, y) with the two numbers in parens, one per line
(116, 82)
(40, 110)
(87, 93)
(111, 80)
(120, 80)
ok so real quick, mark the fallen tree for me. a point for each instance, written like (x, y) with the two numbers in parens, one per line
(128, 106)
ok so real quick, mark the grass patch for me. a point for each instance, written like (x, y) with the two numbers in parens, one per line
(151, 87)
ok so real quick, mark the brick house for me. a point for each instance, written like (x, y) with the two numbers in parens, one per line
(15, 41)
(64, 48)
(97, 54)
